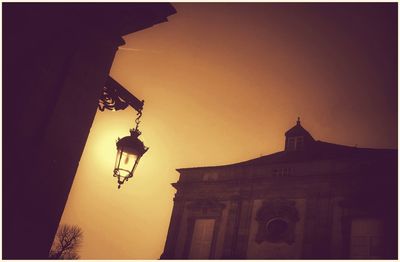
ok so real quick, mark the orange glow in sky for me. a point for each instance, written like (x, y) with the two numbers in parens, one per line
(221, 84)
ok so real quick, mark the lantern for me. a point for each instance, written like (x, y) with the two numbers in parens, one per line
(129, 151)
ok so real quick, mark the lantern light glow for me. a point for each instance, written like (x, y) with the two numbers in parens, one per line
(129, 151)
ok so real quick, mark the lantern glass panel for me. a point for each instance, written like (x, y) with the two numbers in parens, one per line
(125, 163)
(117, 159)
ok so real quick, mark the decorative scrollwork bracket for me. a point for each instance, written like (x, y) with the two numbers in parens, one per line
(111, 100)
(115, 97)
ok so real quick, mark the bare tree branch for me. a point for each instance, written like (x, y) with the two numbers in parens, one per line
(68, 240)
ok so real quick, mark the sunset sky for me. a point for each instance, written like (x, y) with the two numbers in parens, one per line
(222, 83)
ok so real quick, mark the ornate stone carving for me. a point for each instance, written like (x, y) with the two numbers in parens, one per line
(277, 221)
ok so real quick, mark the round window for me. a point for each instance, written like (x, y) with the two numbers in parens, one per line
(277, 227)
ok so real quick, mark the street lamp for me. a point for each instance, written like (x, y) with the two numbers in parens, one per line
(129, 149)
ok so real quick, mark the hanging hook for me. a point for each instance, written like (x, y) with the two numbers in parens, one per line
(137, 121)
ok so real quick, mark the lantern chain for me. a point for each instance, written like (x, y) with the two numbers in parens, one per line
(137, 120)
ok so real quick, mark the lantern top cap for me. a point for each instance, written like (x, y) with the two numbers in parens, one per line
(135, 132)
(132, 143)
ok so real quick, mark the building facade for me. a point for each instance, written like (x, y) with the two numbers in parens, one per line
(56, 60)
(312, 200)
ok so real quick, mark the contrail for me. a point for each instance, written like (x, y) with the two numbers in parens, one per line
(137, 50)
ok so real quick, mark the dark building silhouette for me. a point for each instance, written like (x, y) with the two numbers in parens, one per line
(312, 200)
(56, 60)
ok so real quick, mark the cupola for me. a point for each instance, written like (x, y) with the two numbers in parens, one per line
(297, 138)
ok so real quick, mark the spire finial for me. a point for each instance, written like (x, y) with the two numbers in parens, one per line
(298, 121)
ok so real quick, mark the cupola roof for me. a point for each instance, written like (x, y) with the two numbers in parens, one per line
(297, 130)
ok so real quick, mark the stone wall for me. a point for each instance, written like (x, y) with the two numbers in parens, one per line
(315, 200)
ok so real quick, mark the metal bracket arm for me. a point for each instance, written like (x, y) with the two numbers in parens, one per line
(116, 97)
